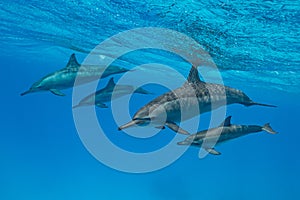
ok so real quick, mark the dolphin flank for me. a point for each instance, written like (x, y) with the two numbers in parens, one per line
(184, 103)
(226, 131)
(65, 78)
(111, 90)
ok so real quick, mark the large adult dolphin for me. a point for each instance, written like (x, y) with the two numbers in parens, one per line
(226, 131)
(193, 97)
(65, 78)
(111, 90)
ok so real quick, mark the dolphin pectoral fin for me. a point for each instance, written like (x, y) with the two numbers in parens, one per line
(101, 105)
(176, 128)
(212, 151)
(57, 92)
(160, 127)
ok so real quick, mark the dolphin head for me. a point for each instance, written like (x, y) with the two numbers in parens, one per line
(151, 114)
(37, 86)
(141, 118)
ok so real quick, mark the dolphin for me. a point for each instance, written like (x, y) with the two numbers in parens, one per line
(111, 90)
(195, 96)
(65, 78)
(226, 131)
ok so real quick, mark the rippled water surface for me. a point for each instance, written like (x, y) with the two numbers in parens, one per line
(260, 39)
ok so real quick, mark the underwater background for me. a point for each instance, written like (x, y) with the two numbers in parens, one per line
(255, 45)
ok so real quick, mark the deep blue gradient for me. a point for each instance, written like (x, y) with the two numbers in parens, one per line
(256, 46)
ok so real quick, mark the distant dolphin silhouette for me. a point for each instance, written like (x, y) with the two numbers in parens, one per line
(111, 90)
(226, 131)
(194, 95)
(65, 78)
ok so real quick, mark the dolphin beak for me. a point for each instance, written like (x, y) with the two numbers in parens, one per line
(129, 124)
(24, 93)
(136, 121)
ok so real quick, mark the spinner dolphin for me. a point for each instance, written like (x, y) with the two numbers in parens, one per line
(65, 78)
(194, 97)
(226, 131)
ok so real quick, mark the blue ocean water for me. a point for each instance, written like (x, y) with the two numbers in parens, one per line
(255, 44)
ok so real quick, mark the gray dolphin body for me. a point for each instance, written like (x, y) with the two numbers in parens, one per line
(193, 98)
(226, 131)
(65, 78)
(111, 90)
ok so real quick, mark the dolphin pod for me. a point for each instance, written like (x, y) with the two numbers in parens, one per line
(193, 98)
(226, 131)
(65, 78)
(110, 92)
(196, 97)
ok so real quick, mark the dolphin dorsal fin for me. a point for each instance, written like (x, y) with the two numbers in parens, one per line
(73, 61)
(111, 84)
(226, 122)
(193, 76)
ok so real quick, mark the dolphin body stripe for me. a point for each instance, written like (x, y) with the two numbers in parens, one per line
(194, 95)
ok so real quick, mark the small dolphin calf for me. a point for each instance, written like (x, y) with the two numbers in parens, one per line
(226, 131)
(65, 78)
(106, 94)
(193, 96)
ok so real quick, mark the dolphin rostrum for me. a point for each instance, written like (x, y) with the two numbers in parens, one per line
(192, 98)
(111, 90)
(226, 131)
(65, 78)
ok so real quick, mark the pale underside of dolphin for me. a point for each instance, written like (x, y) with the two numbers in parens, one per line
(65, 78)
(194, 97)
(207, 139)
(110, 92)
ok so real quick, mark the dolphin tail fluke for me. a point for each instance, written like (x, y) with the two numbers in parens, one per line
(268, 128)
(129, 124)
(24, 93)
(76, 106)
(259, 104)
(57, 92)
